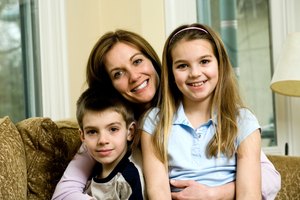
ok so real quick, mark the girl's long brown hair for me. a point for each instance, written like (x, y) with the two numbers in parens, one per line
(225, 103)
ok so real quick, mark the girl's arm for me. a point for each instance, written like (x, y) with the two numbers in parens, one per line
(248, 176)
(75, 177)
(156, 175)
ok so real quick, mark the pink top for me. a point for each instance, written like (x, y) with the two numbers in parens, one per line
(74, 179)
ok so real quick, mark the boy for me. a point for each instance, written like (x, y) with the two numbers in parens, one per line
(107, 127)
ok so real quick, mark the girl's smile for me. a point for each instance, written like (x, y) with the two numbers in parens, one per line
(195, 69)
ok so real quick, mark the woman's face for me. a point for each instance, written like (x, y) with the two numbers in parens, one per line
(132, 74)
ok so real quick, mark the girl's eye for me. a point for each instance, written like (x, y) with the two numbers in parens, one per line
(137, 61)
(117, 74)
(204, 62)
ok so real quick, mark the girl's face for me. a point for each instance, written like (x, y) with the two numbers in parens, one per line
(195, 69)
(132, 74)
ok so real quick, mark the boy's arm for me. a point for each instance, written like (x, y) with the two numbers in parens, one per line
(248, 175)
(75, 177)
(156, 175)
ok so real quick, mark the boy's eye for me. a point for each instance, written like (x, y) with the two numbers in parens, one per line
(91, 132)
(114, 129)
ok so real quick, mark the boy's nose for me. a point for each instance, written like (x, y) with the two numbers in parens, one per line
(102, 139)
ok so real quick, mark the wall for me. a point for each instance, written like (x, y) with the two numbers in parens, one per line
(86, 21)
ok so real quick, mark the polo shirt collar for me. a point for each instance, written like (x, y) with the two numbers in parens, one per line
(181, 118)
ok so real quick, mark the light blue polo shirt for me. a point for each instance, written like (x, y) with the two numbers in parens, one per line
(187, 147)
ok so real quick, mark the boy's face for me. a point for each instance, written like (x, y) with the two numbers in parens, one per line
(105, 136)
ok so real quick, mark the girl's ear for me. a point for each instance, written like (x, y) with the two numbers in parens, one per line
(131, 131)
(81, 135)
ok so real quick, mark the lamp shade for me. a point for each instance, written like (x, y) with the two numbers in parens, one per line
(286, 78)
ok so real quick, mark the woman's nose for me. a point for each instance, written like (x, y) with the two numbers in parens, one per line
(134, 76)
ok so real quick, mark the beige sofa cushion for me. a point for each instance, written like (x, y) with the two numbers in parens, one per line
(48, 150)
(13, 177)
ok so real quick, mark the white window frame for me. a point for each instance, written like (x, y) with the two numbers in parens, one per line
(54, 64)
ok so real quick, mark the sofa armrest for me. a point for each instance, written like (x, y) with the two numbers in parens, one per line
(289, 169)
(13, 172)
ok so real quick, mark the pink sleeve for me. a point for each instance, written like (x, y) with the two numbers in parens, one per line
(271, 179)
(73, 181)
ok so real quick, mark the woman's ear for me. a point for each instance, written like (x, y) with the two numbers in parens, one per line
(131, 131)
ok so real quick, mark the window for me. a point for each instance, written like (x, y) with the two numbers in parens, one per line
(33, 59)
(19, 65)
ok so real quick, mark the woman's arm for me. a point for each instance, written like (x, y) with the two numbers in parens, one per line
(248, 175)
(75, 177)
(194, 190)
(156, 175)
(271, 179)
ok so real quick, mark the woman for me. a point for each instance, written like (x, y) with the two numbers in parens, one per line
(125, 62)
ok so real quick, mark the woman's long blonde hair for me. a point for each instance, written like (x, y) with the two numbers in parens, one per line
(225, 101)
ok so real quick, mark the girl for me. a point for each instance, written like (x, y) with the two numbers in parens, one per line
(200, 130)
(125, 62)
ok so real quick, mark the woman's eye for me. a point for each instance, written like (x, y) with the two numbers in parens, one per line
(137, 61)
(117, 74)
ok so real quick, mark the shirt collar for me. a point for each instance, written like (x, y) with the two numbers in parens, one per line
(181, 118)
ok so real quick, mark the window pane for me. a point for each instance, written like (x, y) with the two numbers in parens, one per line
(19, 96)
(244, 28)
(11, 71)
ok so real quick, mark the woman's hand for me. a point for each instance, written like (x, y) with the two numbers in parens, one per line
(192, 190)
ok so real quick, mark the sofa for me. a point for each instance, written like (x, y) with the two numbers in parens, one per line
(33, 155)
(35, 152)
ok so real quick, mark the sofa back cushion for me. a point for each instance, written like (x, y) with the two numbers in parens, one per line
(48, 149)
(13, 178)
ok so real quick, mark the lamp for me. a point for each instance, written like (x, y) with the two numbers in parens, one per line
(286, 78)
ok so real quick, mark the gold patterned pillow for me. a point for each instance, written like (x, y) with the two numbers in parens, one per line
(13, 177)
(48, 150)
